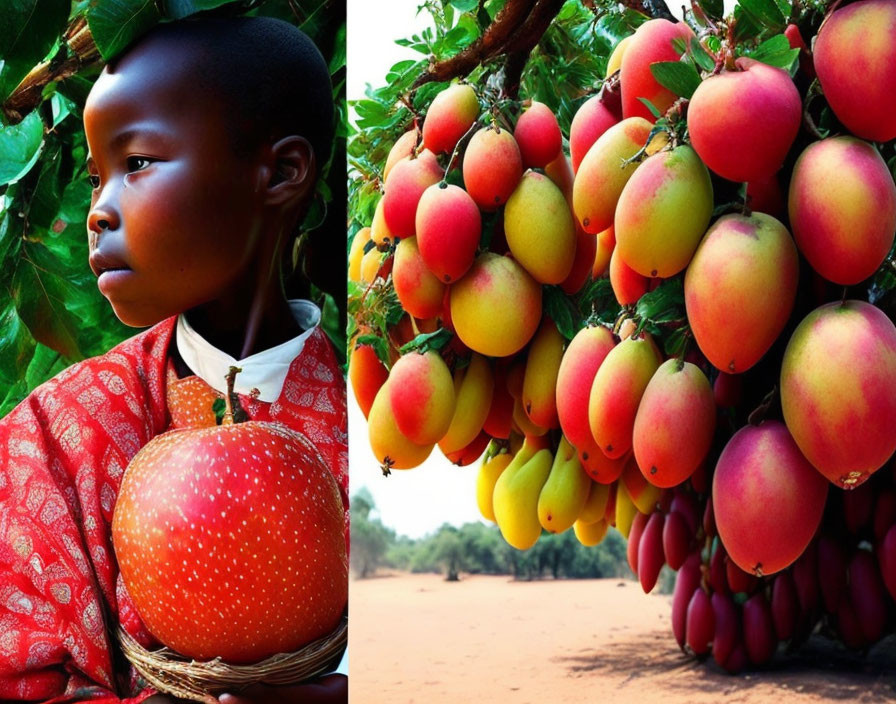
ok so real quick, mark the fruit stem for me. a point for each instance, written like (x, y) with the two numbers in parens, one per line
(467, 135)
(228, 397)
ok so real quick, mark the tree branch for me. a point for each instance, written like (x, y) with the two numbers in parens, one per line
(524, 41)
(489, 45)
(82, 52)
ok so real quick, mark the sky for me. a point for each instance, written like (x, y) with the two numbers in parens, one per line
(418, 501)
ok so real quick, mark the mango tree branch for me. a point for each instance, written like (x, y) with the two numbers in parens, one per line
(524, 41)
(489, 45)
(79, 52)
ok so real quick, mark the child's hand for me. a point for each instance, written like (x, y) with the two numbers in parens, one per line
(332, 689)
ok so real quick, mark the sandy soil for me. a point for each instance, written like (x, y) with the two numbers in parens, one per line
(417, 638)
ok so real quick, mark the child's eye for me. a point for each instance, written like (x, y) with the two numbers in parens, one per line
(94, 180)
(138, 163)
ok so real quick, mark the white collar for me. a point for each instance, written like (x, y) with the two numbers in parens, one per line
(265, 370)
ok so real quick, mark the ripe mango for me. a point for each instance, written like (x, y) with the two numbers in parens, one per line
(422, 396)
(488, 475)
(451, 113)
(838, 390)
(419, 290)
(538, 135)
(590, 534)
(651, 42)
(496, 307)
(740, 288)
(854, 55)
(601, 176)
(492, 167)
(616, 392)
(540, 381)
(675, 423)
(836, 183)
(565, 492)
(516, 499)
(663, 213)
(473, 386)
(539, 228)
(389, 444)
(448, 226)
(575, 376)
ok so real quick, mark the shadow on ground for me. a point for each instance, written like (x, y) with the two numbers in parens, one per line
(820, 667)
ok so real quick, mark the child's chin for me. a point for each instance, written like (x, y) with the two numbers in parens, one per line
(137, 318)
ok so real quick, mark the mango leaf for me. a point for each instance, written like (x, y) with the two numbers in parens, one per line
(465, 5)
(559, 308)
(20, 147)
(765, 13)
(45, 363)
(116, 23)
(28, 31)
(713, 8)
(701, 58)
(14, 396)
(39, 296)
(380, 346)
(426, 341)
(654, 110)
(16, 344)
(678, 76)
(777, 52)
(178, 9)
(47, 193)
(664, 304)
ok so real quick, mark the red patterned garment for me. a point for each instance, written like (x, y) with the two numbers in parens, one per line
(63, 452)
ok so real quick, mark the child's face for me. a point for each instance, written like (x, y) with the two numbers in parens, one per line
(175, 213)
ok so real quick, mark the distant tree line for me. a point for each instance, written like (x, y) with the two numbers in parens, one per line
(476, 548)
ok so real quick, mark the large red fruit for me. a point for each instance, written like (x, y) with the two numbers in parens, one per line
(230, 541)
(854, 55)
(838, 390)
(651, 42)
(767, 499)
(743, 122)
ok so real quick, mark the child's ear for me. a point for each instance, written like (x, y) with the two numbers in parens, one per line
(294, 171)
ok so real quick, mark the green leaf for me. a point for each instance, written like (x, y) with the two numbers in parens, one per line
(62, 108)
(713, 8)
(777, 52)
(28, 30)
(19, 148)
(39, 296)
(765, 13)
(114, 24)
(559, 308)
(464, 5)
(45, 364)
(654, 110)
(380, 346)
(16, 344)
(426, 341)
(701, 58)
(664, 304)
(679, 77)
(178, 9)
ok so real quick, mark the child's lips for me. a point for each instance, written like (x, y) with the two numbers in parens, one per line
(111, 271)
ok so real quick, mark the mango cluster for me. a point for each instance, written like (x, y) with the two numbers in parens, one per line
(735, 458)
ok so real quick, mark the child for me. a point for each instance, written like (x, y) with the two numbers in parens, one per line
(204, 139)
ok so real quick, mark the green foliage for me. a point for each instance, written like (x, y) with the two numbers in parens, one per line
(51, 312)
(30, 28)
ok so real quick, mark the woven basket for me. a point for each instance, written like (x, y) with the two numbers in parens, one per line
(197, 681)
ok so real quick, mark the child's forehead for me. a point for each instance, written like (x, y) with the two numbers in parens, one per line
(154, 77)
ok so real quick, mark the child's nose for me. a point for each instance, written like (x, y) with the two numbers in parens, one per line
(102, 217)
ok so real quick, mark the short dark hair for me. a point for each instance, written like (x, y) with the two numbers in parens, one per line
(271, 78)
